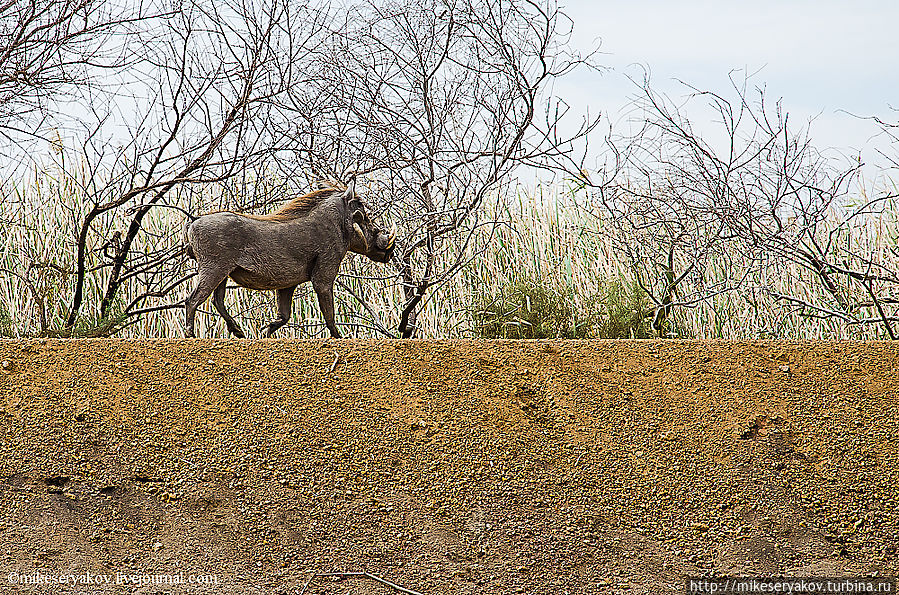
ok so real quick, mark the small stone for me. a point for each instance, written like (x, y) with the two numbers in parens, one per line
(784, 368)
(7, 365)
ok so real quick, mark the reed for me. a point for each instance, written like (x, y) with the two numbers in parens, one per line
(543, 235)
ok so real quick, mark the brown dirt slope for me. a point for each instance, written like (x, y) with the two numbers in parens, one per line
(447, 467)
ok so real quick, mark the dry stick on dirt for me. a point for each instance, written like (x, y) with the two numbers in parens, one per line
(364, 575)
(306, 585)
(334, 363)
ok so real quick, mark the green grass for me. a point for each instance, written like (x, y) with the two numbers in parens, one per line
(528, 309)
(532, 309)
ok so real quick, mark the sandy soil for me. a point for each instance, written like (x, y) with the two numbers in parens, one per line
(446, 467)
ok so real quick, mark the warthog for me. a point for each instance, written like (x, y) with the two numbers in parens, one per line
(305, 240)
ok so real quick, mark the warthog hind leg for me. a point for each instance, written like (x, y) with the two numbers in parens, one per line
(285, 307)
(218, 300)
(208, 281)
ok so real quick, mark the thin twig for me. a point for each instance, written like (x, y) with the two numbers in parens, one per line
(334, 364)
(306, 586)
(869, 286)
(367, 575)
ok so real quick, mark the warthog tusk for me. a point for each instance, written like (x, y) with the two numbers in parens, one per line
(361, 235)
(392, 237)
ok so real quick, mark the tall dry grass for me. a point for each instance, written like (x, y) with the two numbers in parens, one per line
(544, 235)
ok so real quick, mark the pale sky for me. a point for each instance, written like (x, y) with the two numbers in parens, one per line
(820, 57)
(824, 58)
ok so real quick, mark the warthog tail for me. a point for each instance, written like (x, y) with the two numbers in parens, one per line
(186, 241)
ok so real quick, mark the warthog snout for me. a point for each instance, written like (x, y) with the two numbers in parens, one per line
(386, 239)
(382, 251)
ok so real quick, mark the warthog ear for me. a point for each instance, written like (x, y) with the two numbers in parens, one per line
(350, 193)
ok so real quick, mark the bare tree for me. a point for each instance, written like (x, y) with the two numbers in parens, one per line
(57, 48)
(214, 73)
(757, 194)
(434, 104)
(437, 103)
(662, 198)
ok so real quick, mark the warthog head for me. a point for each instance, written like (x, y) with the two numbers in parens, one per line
(366, 238)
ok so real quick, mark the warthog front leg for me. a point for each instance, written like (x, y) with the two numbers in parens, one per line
(325, 292)
(285, 307)
(218, 300)
(208, 281)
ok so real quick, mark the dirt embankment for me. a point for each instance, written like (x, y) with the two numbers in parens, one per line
(447, 467)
